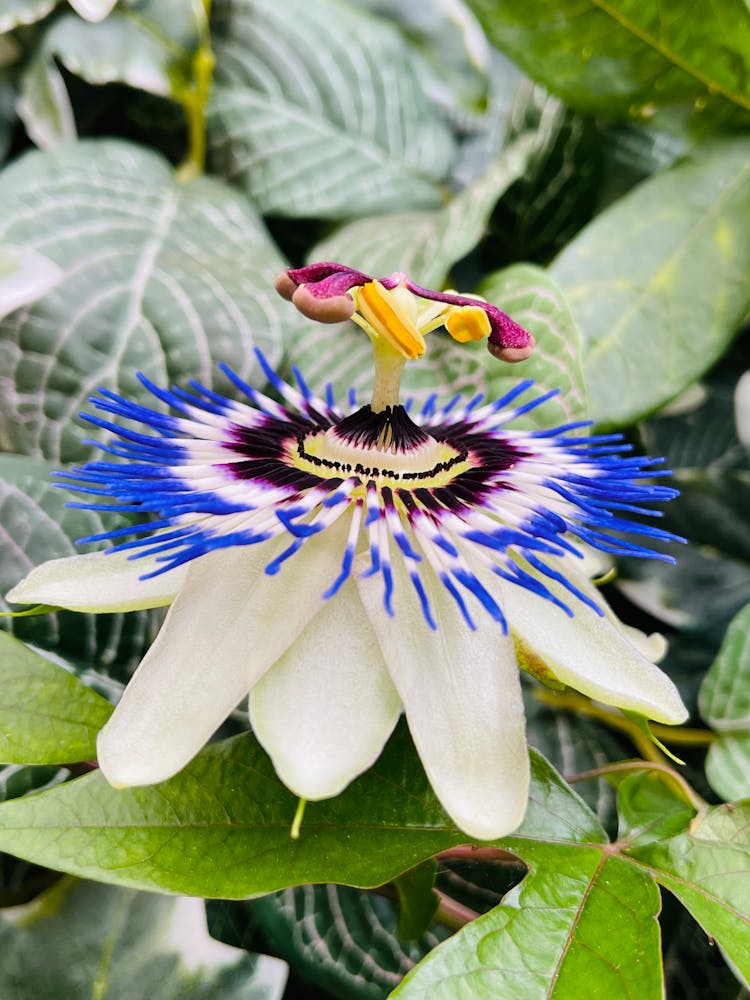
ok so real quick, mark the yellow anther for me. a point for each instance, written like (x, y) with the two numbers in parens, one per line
(389, 320)
(468, 323)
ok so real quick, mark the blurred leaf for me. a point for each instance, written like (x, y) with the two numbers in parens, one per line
(448, 35)
(427, 244)
(47, 715)
(24, 277)
(728, 766)
(524, 291)
(221, 826)
(658, 282)
(725, 693)
(702, 591)
(93, 10)
(708, 870)
(335, 130)
(131, 46)
(694, 968)
(484, 135)
(98, 940)
(626, 56)
(417, 900)
(557, 193)
(16, 12)
(711, 580)
(160, 275)
(341, 939)
(35, 525)
(44, 105)
(580, 923)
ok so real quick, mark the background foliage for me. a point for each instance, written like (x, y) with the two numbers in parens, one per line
(586, 166)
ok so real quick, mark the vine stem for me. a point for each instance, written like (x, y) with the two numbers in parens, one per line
(571, 702)
(194, 97)
(688, 792)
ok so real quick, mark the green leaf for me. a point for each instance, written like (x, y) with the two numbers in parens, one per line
(222, 826)
(427, 244)
(625, 56)
(47, 715)
(724, 699)
(728, 766)
(17, 12)
(35, 525)
(724, 702)
(24, 277)
(159, 275)
(160, 944)
(335, 130)
(708, 869)
(417, 900)
(652, 806)
(580, 923)
(341, 939)
(344, 356)
(658, 282)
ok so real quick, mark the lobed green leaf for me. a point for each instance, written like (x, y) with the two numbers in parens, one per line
(579, 917)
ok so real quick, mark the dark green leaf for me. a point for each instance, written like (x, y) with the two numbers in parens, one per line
(159, 275)
(557, 193)
(341, 939)
(417, 900)
(658, 282)
(47, 715)
(627, 56)
(96, 940)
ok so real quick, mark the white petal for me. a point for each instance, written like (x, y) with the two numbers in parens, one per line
(98, 582)
(230, 622)
(462, 697)
(589, 653)
(325, 710)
